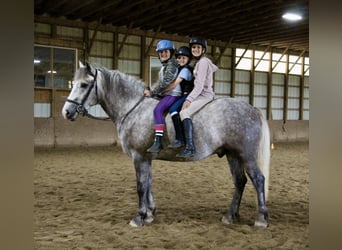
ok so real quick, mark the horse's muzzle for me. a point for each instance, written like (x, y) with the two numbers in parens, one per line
(71, 116)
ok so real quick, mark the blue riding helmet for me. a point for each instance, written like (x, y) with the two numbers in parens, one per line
(164, 45)
(198, 40)
(183, 51)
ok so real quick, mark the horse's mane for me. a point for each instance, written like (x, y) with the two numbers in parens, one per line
(126, 79)
(111, 75)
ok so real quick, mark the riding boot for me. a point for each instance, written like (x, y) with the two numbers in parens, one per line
(189, 150)
(157, 145)
(179, 141)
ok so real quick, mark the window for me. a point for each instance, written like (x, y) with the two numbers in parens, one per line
(244, 59)
(54, 67)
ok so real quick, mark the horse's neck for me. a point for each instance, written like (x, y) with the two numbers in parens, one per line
(119, 96)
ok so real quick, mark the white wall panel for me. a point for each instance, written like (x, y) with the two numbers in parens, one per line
(277, 103)
(278, 79)
(68, 31)
(278, 91)
(106, 62)
(100, 35)
(277, 114)
(260, 77)
(292, 114)
(242, 76)
(130, 52)
(223, 75)
(102, 49)
(42, 110)
(42, 28)
(222, 88)
(293, 97)
(294, 92)
(129, 66)
(306, 115)
(130, 39)
(293, 103)
(260, 90)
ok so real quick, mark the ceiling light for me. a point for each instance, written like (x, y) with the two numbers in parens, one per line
(292, 16)
(36, 61)
(53, 71)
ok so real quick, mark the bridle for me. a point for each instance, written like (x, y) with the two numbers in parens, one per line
(80, 109)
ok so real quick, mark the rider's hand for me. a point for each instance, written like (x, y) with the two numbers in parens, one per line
(147, 92)
(186, 104)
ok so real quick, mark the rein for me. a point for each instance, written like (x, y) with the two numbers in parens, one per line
(80, 109)
(130, 111)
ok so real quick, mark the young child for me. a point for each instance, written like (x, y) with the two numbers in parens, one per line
(185, 80)
(167, 75)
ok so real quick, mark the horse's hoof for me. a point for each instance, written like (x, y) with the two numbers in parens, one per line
(137, 221)
(229, 219)
(261, 222)
(225, 221)
(149, 217)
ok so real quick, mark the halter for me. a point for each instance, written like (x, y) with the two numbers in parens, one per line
(80, 109)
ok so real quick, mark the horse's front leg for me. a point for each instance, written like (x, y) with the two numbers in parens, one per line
(147, 208)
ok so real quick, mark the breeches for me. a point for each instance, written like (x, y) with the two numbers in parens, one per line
(196, 105)
(162, 106)
(177, 106)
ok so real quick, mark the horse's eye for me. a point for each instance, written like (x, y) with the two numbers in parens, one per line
(83, 85)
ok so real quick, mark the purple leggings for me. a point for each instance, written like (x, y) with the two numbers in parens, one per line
(163, 105)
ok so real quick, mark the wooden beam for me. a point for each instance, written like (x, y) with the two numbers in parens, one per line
(268, 47)
(222, 50)
(279, 58)
(91, 42)
(152, 41)
(124, 39)
(243, 54)
(301, 54)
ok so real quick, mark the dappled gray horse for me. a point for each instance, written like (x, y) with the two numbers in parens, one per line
(226, 127)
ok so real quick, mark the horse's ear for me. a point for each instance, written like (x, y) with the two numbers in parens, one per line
(80, 64)
(90, 68)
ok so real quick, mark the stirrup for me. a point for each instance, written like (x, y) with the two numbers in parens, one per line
(187, 153)
(176, 144)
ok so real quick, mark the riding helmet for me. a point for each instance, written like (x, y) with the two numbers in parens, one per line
(183, 51)
(164, 45)
(198, 40)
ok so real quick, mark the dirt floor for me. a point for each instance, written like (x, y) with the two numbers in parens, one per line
(85, 197)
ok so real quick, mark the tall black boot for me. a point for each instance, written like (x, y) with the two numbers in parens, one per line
(157, 145)
(189, 150)
(179, 141)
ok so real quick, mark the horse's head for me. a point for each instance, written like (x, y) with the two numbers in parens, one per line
(83, 93)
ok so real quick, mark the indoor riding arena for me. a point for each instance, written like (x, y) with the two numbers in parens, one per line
(85, 188)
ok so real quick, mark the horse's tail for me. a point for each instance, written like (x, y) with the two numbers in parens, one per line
(264, 152)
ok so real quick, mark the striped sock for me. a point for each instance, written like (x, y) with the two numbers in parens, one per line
(159, 129)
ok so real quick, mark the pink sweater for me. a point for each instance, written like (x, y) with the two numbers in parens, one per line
(203, 74)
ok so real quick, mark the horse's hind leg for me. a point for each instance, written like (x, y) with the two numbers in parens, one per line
(144, 189)
(258, 181)
(239, 179)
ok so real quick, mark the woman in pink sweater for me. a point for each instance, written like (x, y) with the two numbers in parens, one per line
(201, 94)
